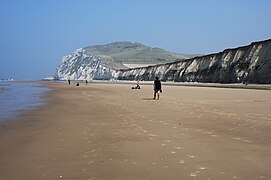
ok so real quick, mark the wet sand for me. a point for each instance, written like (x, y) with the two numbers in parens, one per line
(109, 131)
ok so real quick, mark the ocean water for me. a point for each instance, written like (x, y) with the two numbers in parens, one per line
(18, 96)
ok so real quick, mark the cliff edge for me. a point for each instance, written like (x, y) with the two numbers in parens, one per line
(247, 64)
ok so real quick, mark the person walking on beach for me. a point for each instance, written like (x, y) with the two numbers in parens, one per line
(86, 82)
(69, 81)
(157, 88)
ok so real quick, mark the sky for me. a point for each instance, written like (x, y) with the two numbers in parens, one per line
(36, 34)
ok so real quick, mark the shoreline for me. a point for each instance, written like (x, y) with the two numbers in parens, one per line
(20, 96)
(191, 84)
(109, 131)
(19, 117)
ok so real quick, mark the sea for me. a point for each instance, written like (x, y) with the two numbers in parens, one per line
(15, 97)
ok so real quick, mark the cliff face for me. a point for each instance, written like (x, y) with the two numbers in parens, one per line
(248, 64)
(81, 66)
(101, 61)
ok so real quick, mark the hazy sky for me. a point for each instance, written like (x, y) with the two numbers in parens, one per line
(35, 34)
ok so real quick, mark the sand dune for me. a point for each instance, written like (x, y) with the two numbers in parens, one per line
(109, 131)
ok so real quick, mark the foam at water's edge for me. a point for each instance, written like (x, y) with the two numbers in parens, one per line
(18, 96)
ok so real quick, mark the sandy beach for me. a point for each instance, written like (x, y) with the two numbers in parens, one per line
(109, 131)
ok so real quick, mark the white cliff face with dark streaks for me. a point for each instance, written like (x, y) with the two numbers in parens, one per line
(248, 64)
(81, 66)
(101, 61)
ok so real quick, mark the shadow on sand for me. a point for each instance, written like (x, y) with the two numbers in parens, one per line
(146, 99)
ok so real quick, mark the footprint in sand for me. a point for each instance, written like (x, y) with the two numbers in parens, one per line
(192, 174)
(209, 132)
(181, 161)
(191, 156)
(90, 162)
(247, 141)
(202, 168)
(93, 150)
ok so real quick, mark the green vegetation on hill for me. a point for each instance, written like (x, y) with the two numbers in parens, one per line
(117, 54)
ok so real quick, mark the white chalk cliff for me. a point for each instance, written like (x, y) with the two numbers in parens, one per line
(102, 61)
(247, 64)
(81, 66)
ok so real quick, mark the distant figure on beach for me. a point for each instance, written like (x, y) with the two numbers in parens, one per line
(157, 88)
(86, 82)
(137, 86)
(245, 83)
(77, 84)
(69, 81)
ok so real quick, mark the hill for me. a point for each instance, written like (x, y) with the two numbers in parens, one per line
(247, 64)
(99, 61)
(119, 55)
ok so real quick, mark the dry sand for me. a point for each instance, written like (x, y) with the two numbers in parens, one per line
(109, 131)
